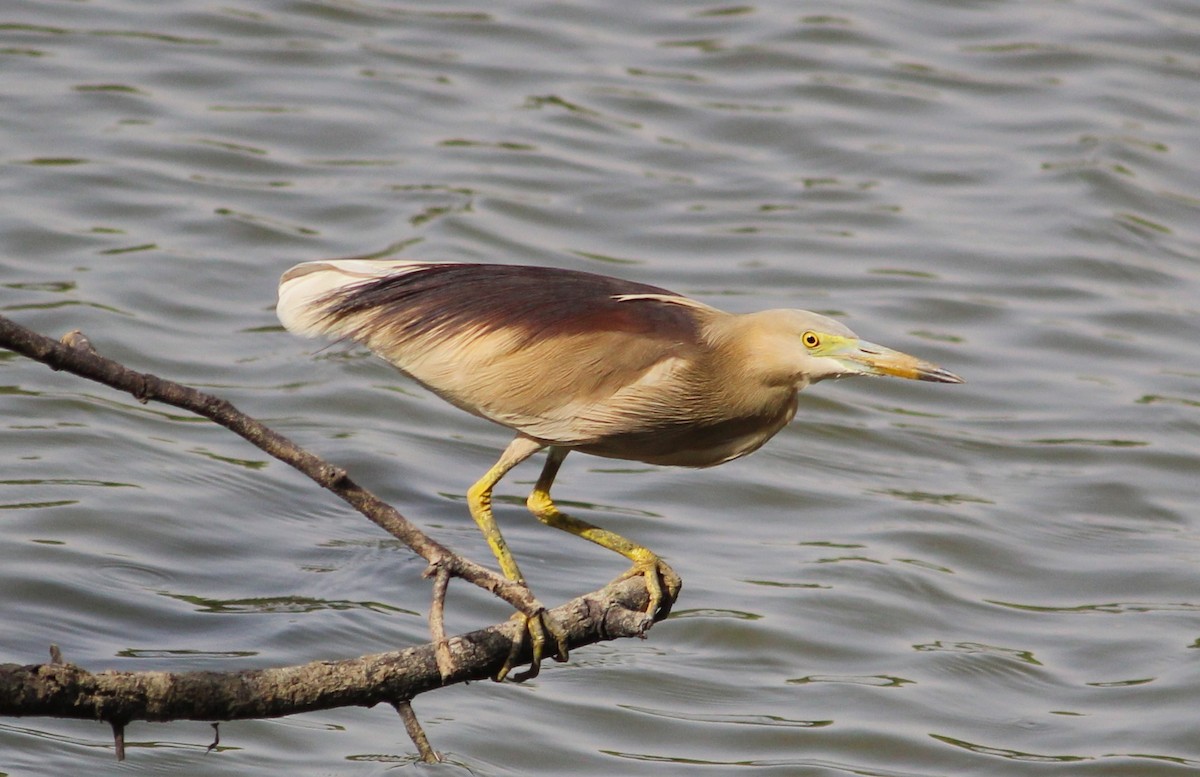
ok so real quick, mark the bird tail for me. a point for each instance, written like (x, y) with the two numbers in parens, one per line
(308, 291)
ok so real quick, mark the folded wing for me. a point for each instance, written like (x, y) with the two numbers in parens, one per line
(569, 358)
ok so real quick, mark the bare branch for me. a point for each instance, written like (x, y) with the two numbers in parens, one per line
(76, 355)
(64, 690)
(437, 623)
(416, 733)
(69, 691)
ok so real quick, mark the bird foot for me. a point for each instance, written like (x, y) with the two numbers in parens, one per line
(662, 585)
(535, 629)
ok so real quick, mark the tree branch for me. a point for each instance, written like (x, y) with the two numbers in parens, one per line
(416, 733)
(75, 354)
(64, 690)
(69, 691)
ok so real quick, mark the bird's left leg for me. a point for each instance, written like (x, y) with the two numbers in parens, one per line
(479, 500)
(645, 561)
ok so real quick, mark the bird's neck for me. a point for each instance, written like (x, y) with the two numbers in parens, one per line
(758, 352)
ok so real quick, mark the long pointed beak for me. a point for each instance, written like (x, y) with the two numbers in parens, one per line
(871, 359)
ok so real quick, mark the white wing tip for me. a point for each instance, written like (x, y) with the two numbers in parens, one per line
(302, 286)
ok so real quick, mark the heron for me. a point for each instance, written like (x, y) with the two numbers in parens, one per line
(577, 361)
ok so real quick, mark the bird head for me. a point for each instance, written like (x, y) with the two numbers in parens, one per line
(820, 347)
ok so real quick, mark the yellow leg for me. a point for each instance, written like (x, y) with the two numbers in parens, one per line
(479, 501)
(645, 561)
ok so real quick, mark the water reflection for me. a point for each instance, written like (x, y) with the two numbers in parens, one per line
(282, 604)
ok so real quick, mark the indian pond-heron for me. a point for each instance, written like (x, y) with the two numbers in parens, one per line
(578, 361)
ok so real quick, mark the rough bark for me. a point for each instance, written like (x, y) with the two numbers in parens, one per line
(67, 691)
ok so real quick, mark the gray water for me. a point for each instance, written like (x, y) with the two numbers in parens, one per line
(999, 578)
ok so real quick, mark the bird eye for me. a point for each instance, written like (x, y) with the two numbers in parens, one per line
(811, 339)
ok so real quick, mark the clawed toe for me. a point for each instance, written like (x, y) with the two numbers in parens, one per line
(535, 629)
(662, 585)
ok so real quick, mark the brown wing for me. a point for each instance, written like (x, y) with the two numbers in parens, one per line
(566, 357)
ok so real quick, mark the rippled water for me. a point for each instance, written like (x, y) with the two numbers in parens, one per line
(912, 579)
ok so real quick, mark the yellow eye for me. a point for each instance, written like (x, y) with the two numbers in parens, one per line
(811, 339)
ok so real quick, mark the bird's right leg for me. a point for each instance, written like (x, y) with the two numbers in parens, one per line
(479, 500)
(662, 583)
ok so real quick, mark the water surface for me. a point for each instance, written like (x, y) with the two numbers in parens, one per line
(912, 579)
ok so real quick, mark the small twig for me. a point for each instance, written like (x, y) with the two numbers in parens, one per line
(416, 733)
(216, 737)
(119, 739)
(437, 624)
